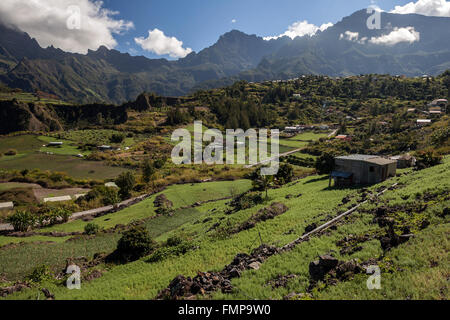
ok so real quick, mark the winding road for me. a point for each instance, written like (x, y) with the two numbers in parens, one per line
(93, 212)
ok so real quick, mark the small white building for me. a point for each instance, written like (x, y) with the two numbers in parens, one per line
(58, 199)
(423, 122)
(6, 206)
(111, 185)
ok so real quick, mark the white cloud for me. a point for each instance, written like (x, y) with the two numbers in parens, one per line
(233, 21)
(440, 8)
(47, 21)
(157, 42)
(349, 36)
(300, 29)
(398, 35)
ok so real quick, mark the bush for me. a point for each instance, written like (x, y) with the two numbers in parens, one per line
(117, 138)
(107, 195)
(22, 220)
(174, 241)
(325, 163)
(247, 200)
(427, 158)
(171, 251)
(11, 152)
(135, 244)
(285, 174)
(91, 229)
(40, 274)
(53, 216)
(148, 170)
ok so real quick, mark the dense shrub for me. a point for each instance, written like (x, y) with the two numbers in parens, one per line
(11, 152)
(21, 220)
(170, 251)
(117, 138)
(125, 182)
(325, 163)
(134, 244)
(427, 158)
(91, 229)
(107, 195)
(247, 200)
(285, 174)
(40, 274)
(148, 170)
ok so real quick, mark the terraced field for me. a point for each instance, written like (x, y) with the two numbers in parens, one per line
(309, 201)
(33, 155)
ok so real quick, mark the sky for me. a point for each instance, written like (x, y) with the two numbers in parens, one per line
(173, 28)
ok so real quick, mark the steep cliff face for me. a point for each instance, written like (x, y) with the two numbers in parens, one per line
(18, 116)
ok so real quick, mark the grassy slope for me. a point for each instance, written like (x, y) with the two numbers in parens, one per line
(29, 156)
(143, 280)
(180, 195)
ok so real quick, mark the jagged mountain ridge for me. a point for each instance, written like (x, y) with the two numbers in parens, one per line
(114, 77)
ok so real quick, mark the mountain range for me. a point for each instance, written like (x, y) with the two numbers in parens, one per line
(347, 48)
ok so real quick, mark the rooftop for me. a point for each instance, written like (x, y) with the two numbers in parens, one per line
(381, 161)
(359, 157)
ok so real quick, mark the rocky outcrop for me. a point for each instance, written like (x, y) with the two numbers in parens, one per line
(18, 116)
(208, 282)
(271, 212)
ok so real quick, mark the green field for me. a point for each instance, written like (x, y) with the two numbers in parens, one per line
(28, 97)
(94, 137)
(14, 185)
(143, 280)
(74, 167)
(68, 148)
(180, 195)
(30, 156)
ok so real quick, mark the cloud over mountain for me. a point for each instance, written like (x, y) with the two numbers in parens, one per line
(398, 35)
(300, 29)
(72, 26)
(157, 42)
(439, 8)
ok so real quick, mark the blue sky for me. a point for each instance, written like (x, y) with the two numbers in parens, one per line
(199, 23)
(174, 28)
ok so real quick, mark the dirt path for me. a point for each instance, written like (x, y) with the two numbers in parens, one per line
(42, 193)
(274, 158)
(93, 212)
(333, 133)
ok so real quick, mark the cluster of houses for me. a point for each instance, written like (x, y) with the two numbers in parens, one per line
(301, 128)
(100, 148)
(360, 169)
(435, 109)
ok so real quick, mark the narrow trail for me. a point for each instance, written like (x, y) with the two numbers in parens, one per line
(274, 158)
(79, 215)
(330, 223)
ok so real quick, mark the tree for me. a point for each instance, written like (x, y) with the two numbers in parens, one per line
(134, 244)
(285, 174)
(325, 163)
(125, 182)
(148, 170)
(427, 158)
(260, 182)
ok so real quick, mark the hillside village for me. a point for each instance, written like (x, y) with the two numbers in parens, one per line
(363, 181)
